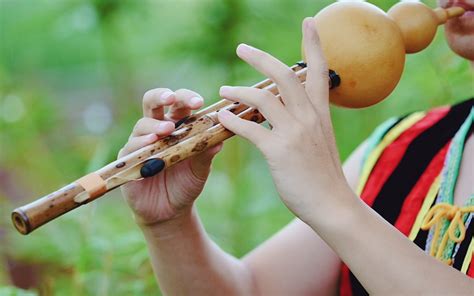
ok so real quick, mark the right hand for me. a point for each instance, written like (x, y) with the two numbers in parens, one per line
(172, 192)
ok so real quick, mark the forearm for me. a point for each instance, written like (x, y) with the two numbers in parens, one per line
(383, 260)
(187, 262)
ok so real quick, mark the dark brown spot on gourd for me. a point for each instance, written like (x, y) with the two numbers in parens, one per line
(152, 151)
(120, 165)
(236, 103)
(175, 158)
(200, 146)
(232, 110)
(255, 111)
(254, 118)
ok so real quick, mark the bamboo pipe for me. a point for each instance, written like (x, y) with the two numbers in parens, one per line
(195, 134)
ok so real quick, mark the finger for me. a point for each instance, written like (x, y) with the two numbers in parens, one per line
(250, 130)
(136, 143)
(266, 102)
(186, 101)
(155, 100)
(201, 163)
(147, 125)
(317, 86)
(291, 90)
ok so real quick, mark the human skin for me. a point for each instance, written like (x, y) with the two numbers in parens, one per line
(460, 31)
(304, 257)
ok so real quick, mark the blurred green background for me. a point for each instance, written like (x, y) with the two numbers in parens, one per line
(72, 74)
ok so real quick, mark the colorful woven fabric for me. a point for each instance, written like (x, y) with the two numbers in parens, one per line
(412, 165)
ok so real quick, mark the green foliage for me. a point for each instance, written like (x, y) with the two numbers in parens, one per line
(72, 74)
(12, 291)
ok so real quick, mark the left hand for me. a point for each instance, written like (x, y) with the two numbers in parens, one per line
(300, 149)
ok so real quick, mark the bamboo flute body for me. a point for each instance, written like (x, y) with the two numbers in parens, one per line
(193, 135)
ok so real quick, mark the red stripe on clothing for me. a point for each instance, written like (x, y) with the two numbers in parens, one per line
(394, 152)
(413, 202)
(345, 288)
(470, 271)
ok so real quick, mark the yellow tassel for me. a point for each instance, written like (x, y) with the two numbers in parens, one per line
(434, 219)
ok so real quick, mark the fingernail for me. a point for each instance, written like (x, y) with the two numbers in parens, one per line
(166, 96)
(224, 90)
(196, 101)
(244, 49)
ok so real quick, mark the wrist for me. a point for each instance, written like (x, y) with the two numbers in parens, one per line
(172, 227)
(332, 208)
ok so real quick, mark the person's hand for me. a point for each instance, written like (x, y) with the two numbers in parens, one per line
(300, 149)
(172, 192)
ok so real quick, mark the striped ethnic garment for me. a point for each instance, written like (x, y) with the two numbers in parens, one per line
(408, 176)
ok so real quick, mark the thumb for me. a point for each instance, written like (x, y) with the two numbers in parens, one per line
(201, 163)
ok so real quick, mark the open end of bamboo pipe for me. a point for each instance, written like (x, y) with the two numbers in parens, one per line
(21, 222)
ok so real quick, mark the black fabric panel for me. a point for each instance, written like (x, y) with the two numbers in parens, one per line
(419, 154)
(357, 288)
(422, 235)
